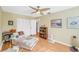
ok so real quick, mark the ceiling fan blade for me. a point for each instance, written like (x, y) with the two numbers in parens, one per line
(45, 9)
(33, 8)
(34, 12)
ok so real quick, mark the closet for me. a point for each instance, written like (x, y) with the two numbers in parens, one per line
(27, 26)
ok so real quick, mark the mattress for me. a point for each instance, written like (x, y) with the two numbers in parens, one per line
(30, 43)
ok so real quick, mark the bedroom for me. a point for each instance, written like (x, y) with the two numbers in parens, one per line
(15, 18)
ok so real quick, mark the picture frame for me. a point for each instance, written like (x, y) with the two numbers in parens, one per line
(56, 23)
(10, 22)
(73, 22)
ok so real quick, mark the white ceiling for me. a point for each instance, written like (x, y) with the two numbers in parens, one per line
(25, 10)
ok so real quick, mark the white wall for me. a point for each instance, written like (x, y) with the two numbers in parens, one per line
(62, 34)
(0, 23)
(6, 16)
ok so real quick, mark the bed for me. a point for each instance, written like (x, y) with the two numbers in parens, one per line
(25, 42)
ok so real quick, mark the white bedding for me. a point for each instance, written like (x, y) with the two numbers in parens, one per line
(27, 43)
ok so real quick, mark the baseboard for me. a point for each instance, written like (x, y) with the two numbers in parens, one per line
(51, 41)
(60, 43)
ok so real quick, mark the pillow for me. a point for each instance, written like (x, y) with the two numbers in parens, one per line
(14, 36)
(21, 33)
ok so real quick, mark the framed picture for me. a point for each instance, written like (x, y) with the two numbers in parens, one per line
(56, 23)
(10, 22)
(73, 22)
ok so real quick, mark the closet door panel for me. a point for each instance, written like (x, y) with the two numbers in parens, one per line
(23, 25)
(27, 26)
(33, 27)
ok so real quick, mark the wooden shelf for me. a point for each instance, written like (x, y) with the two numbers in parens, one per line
(43, 33)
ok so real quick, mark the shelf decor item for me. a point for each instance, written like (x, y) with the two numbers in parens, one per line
(56, 23)
(10, 22)
(73, 22)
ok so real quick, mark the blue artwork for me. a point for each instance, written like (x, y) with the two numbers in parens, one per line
(73, 22)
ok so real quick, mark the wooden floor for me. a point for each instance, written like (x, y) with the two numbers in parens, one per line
(6, 45)
(44, 46)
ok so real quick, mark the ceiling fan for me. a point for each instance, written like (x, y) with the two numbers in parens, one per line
(39, 10)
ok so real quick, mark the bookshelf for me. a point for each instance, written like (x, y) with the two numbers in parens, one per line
(43, 33)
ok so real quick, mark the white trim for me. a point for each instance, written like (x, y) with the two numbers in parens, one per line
(51, 41)
(60, 43)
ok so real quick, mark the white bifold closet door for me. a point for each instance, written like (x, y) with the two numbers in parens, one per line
(33, 27)
(27, 26)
